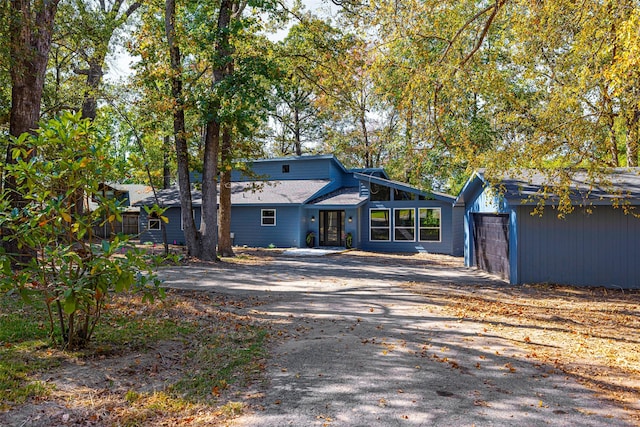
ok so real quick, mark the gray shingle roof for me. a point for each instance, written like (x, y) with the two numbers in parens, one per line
(250, 193)
(346, 196)
(170, 197)
(275, 192)
(530, 185)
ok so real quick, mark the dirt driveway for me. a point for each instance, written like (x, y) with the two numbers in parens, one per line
(356, 348)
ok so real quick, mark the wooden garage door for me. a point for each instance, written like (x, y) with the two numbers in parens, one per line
(491, 243)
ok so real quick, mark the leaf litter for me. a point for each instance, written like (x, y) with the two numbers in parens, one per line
(590, 334)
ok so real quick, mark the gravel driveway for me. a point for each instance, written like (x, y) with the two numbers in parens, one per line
(358, 349)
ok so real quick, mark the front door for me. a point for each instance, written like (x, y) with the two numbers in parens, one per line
(331, 227)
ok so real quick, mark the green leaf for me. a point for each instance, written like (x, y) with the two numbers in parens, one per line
(69, 304)
(125, 280)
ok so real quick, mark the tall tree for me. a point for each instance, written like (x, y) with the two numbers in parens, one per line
(30, 31)
(93, 25)
(192, 236)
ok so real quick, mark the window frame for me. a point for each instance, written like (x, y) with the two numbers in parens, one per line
(396, 227)
(371, 227)
(263, 217)
(154, 219)
(439, 228)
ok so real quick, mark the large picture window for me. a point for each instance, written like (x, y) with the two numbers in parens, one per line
(379, 225)
(268, 217)
(404, 225)
(429, 223)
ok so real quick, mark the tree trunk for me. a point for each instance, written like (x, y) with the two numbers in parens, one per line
(191, 235)
(296, 130)
(30, 29)
(632, 137)
(365, 135)
(94, 79)
(209, 225)
(225, 246)
(166, 171)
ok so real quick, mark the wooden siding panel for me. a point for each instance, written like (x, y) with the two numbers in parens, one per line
(247, 228)
(457, 231)
(298, 169)
(582, 249)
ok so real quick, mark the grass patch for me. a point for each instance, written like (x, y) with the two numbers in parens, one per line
(223, 361)
(200, 352)
(24, 339)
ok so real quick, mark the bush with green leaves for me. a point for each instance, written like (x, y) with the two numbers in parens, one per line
(59, 172)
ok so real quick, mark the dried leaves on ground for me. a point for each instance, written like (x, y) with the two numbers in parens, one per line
(186, 361)
(590, 334)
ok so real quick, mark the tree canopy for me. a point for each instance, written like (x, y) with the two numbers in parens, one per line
(428, 89)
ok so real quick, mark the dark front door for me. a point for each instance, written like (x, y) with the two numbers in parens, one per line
(331, 227)
(491, 243)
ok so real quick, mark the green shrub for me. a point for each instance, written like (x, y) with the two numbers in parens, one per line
(58, 174)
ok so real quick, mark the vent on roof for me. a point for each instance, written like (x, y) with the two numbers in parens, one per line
(285, 168)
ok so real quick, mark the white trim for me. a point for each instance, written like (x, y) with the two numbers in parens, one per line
(404, 227)
(389, 228)
(431, 228)
(154, 220)
(263, 217)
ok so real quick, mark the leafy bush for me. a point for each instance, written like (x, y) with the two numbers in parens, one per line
(58, 174)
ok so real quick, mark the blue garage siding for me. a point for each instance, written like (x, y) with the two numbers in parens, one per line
(582, 249)
(457, 231)
(247, 229)
(445, 246)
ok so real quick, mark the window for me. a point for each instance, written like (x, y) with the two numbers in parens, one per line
(403, 195)
(154, 223)
(404, 225)
(268, 217)
(379, 224)
(379, 193)
(429, 224)
(285, 168)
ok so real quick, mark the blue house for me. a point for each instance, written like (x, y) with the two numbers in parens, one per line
(295, 196)
(595, 245)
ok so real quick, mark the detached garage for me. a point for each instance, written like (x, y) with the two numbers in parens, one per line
(597, 244)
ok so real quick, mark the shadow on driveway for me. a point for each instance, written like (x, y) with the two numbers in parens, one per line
(358, 349)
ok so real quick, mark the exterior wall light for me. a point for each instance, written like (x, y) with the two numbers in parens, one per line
(350, 219)
(313, 218)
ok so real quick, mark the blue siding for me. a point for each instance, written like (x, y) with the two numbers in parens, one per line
(597, 249)
(457, 231)
(247, 229)
(175, 235)
(299, 168)
(445, 246)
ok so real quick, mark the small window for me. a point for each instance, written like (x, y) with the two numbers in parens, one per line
(379, 224)
(268, 217)
(285, 168)
(404, 225)
(155, 223)
(429, 224)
